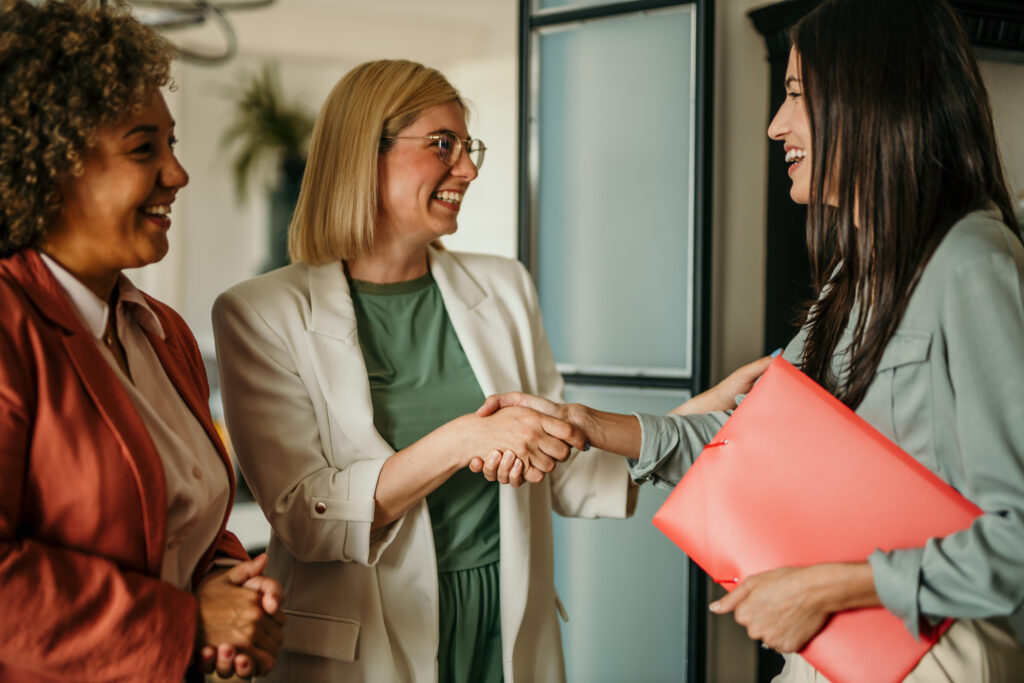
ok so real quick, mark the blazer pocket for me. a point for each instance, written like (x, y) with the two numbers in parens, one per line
(905, 372)
(321, 635)
(905, 347)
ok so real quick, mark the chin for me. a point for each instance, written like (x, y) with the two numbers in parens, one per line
(155, 253)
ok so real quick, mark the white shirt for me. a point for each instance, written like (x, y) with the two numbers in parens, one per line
(197, 484)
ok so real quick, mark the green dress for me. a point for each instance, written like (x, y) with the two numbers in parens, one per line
(419, 380)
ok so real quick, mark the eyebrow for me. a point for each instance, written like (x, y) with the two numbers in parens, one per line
(144, 128)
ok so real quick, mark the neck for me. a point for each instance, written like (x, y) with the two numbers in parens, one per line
(98, 281)
(390, 261)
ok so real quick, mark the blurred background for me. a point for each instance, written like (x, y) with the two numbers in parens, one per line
(604, 123)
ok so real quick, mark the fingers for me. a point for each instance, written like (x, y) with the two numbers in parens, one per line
(476, 464)
(492, 404)
(226, 661)
(533, 475)
(244, 666)
(243, 571)
(730, 601)
(496, 402)
(207, 659)
(507, 468)
(490, 465)
(565, 432)
(508, 461)
(515, 475)
(271, 595)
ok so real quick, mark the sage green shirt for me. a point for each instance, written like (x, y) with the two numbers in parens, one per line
(419, 380)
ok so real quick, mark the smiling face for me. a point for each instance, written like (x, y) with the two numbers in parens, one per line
(115, 215)
(420, 196)
(792, 127)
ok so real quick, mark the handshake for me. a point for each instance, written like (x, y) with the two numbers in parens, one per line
(526, 436)
(547, 433)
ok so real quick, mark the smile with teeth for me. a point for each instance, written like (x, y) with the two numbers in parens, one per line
(795, 155)
(156, 210)
(449, 196)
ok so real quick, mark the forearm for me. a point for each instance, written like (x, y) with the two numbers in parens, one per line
(612, 432)
(843, 586)
(414, 472)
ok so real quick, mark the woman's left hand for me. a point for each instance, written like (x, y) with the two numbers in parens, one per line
(776, 608)
(784, 608)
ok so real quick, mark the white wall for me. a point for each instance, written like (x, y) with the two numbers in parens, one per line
(216, 240)
(1005, 83)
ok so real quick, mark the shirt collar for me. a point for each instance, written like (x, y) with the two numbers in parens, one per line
(95, 312)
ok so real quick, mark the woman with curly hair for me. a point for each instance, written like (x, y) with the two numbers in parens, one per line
(114, 487)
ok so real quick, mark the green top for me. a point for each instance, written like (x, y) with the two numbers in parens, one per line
(419, 380)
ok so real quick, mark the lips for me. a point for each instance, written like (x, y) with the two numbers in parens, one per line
(157, 210)
(451, 199)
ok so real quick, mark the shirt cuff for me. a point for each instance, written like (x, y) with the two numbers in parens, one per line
(897, 575)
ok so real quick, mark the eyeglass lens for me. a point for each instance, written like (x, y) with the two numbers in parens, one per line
(450, 147)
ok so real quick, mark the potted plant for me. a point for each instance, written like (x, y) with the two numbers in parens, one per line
(268, 130)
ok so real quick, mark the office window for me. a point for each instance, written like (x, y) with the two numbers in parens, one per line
(614, 225)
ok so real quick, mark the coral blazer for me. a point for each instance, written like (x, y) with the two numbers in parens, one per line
(83, 509)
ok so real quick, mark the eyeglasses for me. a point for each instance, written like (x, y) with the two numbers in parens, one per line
(450, 147)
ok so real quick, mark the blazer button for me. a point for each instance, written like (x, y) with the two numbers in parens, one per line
(320, 508)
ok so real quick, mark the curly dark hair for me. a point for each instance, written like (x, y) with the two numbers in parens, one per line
(66, 70)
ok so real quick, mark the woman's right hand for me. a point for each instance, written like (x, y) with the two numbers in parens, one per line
(506, 467)
(240, 623)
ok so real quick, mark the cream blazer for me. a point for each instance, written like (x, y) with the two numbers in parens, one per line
(363, 606)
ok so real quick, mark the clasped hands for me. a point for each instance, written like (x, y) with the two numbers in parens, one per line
(240, 620)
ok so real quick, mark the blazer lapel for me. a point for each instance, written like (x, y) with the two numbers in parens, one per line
(176, 365)
(489, 345)
(106, 393)
(490, 349)
(338, 359)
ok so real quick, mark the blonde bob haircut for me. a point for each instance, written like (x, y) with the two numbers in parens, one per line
(337, 208)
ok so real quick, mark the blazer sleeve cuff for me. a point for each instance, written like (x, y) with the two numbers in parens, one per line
(361, 544)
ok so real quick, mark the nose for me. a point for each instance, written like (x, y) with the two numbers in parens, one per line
(778, 128)
(464, 168)
(173, 174)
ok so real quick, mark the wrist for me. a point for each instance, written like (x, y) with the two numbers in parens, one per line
(844, 586)
(455, 443)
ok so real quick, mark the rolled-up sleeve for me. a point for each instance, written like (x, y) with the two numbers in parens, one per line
(977, 572)
(671, 444)
(319, 511)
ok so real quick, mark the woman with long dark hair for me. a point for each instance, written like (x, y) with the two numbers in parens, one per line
(919, 327)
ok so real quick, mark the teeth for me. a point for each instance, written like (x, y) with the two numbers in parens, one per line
(794, 155)
(157, 210)
(449, 196)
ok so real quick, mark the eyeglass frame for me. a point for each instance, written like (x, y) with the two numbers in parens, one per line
(461, 144)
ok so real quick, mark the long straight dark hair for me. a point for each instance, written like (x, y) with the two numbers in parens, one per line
(903, 144)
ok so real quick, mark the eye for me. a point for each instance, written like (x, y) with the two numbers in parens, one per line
(793, 94)
(143, 149)
(444, 143)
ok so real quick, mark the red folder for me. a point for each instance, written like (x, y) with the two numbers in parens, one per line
(797, 478)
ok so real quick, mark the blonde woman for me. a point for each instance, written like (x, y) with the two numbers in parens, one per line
(350, 380)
